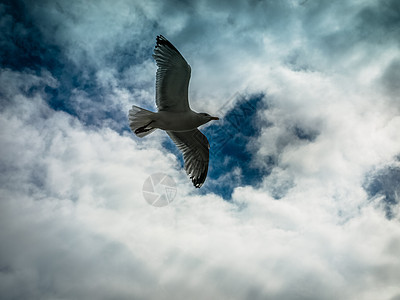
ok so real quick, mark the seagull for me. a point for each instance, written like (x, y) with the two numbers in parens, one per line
(174, 114)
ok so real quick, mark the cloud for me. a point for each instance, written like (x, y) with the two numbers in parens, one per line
(77, 213)
(310, 177)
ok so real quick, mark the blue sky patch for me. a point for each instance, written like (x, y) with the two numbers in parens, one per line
(385, 183)
(229, 153)
(229, 148)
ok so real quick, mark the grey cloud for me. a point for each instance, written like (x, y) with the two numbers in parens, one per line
(66, 261)
(390, 79)
(379, 22)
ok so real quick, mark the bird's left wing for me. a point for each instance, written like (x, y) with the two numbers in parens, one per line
(172, 79)
(195, 148)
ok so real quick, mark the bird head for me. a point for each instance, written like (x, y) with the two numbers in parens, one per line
(205, 117)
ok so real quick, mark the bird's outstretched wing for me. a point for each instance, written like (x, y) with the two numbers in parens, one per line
(195, 148)
(172, 79)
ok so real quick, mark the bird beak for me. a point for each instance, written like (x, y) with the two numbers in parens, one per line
(214, 118)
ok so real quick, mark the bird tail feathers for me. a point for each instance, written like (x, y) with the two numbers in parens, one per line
(140, 120)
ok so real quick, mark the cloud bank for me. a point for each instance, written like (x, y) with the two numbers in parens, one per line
(302, 198)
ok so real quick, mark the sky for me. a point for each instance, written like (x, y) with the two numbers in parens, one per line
(302, 196)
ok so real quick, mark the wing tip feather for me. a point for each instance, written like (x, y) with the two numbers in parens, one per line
(162, 41)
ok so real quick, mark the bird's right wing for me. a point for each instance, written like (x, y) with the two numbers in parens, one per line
(195, 148)
(172, 79)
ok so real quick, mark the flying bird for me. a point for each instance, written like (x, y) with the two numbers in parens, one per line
(174, 114)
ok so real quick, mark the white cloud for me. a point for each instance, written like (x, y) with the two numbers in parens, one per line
(74, 222)
(74, 209)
